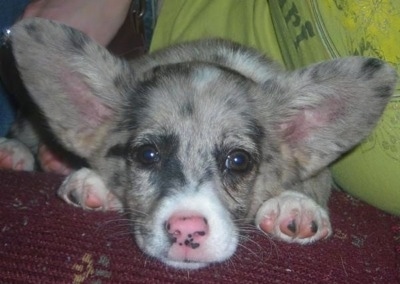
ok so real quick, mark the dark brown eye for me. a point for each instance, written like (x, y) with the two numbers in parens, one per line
(148, 155)
(238, 160)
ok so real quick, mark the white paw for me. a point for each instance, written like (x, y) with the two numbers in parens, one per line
(294, 217)
(14, 155)
(84, 188)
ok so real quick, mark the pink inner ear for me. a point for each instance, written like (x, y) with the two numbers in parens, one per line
(303, 125)
(91, 108)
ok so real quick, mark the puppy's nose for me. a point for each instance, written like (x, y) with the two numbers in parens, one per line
(187, 229)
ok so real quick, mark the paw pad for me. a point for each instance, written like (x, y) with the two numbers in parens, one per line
(294, 217)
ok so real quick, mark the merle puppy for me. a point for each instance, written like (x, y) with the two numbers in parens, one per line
(197, 139)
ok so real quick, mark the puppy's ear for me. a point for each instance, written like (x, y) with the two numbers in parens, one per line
(326, 109)
(71, 78)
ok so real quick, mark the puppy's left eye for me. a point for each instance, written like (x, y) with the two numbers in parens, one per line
(148, 154)
(238, 160)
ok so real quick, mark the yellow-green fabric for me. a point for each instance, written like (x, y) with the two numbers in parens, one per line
(247, 22)
(297, 33)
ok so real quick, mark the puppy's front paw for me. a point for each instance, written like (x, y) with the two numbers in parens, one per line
(84, 188)
(294, 217)
(15, 156)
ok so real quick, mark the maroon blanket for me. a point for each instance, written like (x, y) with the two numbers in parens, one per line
(43, 240)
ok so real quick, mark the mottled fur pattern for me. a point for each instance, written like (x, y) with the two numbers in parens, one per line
(207, 126)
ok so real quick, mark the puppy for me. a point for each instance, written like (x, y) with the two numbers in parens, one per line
(195, 140)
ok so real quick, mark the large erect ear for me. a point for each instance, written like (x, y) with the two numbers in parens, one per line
(326, 109)
(71, 78)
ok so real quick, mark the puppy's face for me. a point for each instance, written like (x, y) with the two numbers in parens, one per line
(193, 157)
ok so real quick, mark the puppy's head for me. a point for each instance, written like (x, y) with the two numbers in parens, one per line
(193, 152)
(193, 145)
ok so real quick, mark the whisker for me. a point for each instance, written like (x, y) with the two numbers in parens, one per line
(249, 250)
(230, 263)
(135, 212)
(271, 242)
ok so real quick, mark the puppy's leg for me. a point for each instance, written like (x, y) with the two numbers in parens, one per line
(84, 188)
(294, 217)
(14, 155)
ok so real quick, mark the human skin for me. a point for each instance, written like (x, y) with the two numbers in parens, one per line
(100, 19)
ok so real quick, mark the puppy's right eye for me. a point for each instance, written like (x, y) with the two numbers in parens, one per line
(148, 155)
(238, 161)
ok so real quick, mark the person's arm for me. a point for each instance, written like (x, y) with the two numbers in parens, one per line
(100, 19)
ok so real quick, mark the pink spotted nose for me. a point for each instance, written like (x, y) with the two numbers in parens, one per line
(187, 232)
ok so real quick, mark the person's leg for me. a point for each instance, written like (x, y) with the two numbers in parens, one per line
(9, 12)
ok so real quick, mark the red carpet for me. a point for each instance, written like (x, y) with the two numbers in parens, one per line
(43, 240)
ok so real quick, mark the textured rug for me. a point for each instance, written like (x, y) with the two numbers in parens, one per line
(43, 240)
